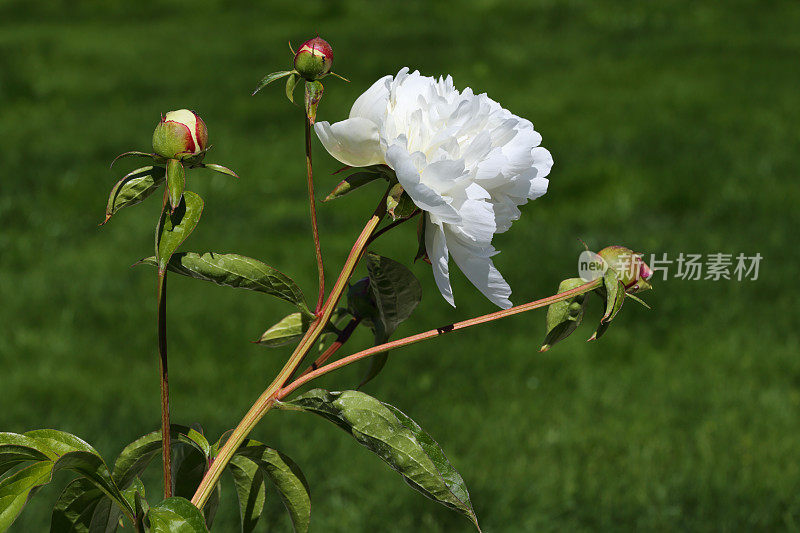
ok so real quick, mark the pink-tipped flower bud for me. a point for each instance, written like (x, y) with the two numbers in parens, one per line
(313, 59)
(631, 269)
(180, 134)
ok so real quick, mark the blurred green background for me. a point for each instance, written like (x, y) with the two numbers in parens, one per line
(674, 127)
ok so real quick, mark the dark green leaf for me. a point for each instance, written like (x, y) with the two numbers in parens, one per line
(396, 291)
(134, 188)
(287, 478)
(313, 97)
(176, 181)
(269, 78)
(250, 490)
(394, 439)
(75, 507)
(176, 515)
(16, 489)
(189, 465)
(353, 182)
(16, 448)
(220, 169)
(175, 227)
(288, 331)
(233, 270)
(565, 316)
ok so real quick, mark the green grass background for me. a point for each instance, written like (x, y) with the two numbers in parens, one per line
(674, 128)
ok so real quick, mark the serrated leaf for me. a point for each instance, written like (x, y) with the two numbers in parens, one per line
(289, 330)
(353, 182)
(313, 96)
(176, 515)
(269, 78)
(238, 271)
(133, 188)
(565, 316)
(287, 478)
(393, 438)
(291, 84)
(250, 491)
(16, 489)
(220, 169)
(175, 227)
(176, 181)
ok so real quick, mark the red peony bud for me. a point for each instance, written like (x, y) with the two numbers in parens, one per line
(633, 272)
(314, 59)
(180, 134)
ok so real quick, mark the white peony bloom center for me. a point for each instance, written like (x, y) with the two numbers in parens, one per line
(463, 159)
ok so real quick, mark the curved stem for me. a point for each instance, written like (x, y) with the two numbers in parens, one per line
(267, 398)
(305, 378)
(314, 227)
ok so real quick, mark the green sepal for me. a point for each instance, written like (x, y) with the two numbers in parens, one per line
(338, 76)
(291, 85)
(313, 96)
(565, 316)
(398, 203)
(176, 182)
(613, 294)
(220, 169)
(269, 78)
(174, 227)
(393, 437)
(133, 188)
(353, 182)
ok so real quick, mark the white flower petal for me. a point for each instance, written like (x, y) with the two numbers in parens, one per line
(354, 141)
(479, 269)
(424, 197)
(372, 104)
(436, 246)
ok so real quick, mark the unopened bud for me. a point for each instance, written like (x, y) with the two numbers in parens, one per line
(313, 59)
(631, 269)
(180, 134)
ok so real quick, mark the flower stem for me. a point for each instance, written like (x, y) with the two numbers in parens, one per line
(314, 227)
(161, 306)
(333, 348)
(393, 225)
(267, 398)
(305, 378)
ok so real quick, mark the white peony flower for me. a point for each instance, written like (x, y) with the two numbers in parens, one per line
(463, 159)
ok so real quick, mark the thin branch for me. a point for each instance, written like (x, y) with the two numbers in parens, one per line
(314, 227)
(333, 348)
(392, 226)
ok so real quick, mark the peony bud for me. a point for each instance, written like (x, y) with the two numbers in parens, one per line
(180, 134)
(633, 272)
(314, 59)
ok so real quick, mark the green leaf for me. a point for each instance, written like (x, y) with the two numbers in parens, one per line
(233, 270)
(395, 439)
(176, 181)
(353, 182)
(313, 97)
(176, 515)
(133, 188)
(398, 203)
(288, 331)
(220, 169)
(135, 457)
(250, 490)
(75, 508)
(16, 448)
(287, 478)
(396, 290)
(291, 83)
(565, 316)
(16, 489)
(189, 465)
(175, 227)
(269, 78)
